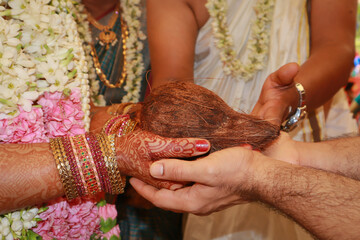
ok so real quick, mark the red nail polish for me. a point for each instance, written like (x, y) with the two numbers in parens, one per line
(202, 145)
(247, 146)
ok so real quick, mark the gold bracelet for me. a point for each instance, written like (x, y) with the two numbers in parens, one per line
(63, 168)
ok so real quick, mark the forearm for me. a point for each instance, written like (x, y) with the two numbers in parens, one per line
(29, 176)
(324, 203)
(172, 27)
(325, 72)
(332, 50)
(340, 156)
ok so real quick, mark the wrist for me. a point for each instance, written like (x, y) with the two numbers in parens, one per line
(269, 181)
(299, 113)
(255, 178)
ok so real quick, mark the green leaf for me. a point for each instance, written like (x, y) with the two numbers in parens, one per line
(113, 237)
(101, 203)
(32, 235)
(106, 226)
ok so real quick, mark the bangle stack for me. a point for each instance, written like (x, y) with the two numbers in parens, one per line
(119, 125)
(87, 164)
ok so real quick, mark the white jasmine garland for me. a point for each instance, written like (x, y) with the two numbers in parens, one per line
(85, 35)
(258, 44)
(12, 225)
(134, 59)
(40, 50)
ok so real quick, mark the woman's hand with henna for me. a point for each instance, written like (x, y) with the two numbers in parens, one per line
(278, 95)
(137, 151)
(99, 116)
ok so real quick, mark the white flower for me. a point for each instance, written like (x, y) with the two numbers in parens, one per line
(30, 214)
(9, 237)
(16, 215)
(17, 225)
(257, 44)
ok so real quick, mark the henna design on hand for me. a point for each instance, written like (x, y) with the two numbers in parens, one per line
(137, 151)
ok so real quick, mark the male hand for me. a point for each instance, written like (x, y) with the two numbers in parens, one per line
(137, 151)
(278, 95)
(222, 179)
(284, 149)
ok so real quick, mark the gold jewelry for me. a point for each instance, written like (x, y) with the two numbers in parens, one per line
(106, 36)
(99, 72)
(63, 167)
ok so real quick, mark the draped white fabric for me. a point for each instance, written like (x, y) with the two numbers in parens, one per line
(289, 42)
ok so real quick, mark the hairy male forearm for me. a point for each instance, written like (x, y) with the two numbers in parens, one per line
(341, 156)
(326, 204)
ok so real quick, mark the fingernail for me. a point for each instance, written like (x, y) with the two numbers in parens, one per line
(157, 170)
(247, 146)
(175, 186)
(202, 145)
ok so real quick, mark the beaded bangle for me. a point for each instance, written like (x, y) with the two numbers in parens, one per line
(100, 164)
(84, 157)
(119, 125)
(77, 174)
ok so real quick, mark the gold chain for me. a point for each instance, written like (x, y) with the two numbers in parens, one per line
(99, 72)
(106, 36)
(111, 22)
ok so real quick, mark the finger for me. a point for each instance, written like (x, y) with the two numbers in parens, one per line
(177, 147)
(163, 198)
(256, 109)
(184, 171)
(142, 172)
(275, 115)
(284, 76)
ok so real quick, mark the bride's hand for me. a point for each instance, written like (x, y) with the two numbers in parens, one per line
(137, 151)
(100, 115)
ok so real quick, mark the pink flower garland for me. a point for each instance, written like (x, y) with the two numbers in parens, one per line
(27, 127)
(58, 115)
(64, 220)
(63, 115)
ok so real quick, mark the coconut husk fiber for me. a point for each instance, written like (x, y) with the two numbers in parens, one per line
(184, 109)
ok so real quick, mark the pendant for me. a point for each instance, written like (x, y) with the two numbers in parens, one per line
(107, 38)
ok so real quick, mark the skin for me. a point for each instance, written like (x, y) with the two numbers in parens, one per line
(99, 8)
(32, 177)
(173, 26)
(325, 203)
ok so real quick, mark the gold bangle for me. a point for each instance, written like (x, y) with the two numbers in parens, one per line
(63, 168)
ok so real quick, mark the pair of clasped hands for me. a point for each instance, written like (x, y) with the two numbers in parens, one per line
(210, 183)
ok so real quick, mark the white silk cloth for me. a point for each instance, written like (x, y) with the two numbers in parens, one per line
(289, 42)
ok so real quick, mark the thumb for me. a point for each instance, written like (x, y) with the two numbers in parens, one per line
(285, 75)
(181, 148)
(177, 170)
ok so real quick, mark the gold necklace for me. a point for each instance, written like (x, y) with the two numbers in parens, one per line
(106, 36)
(124, 37)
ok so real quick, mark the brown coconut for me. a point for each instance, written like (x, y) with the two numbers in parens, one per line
(184, 109)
